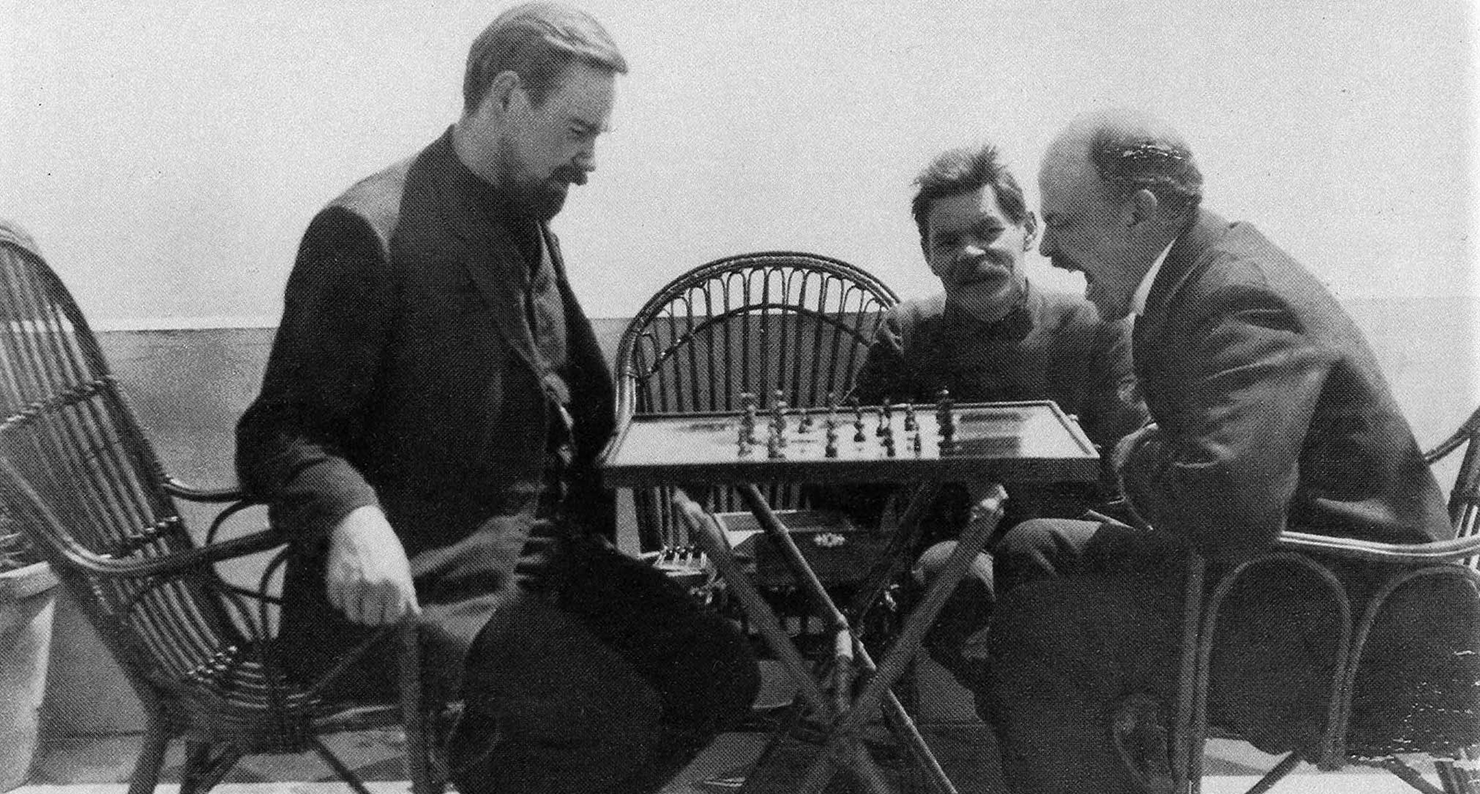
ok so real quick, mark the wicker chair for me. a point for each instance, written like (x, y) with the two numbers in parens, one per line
(79, 476)
(1444, 726)
(765, 323)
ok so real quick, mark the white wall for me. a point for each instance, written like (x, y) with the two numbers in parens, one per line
(167, 153)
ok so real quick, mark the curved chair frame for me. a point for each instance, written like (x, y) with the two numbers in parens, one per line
(1458, 559)
(760, 322)
(81, 479)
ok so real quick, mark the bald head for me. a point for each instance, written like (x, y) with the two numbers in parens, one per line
(1117, 187)
(1129, 150)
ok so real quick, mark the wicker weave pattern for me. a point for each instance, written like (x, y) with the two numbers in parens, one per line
(78, 475)
(758, 323)
(1441, 719)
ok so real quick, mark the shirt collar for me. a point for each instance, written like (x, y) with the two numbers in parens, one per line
(1138, 301)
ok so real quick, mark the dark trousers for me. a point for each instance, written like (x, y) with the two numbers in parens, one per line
(609, 682)
(1093, 616)
(1033, 551)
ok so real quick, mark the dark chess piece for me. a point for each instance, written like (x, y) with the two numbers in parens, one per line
(945, 414)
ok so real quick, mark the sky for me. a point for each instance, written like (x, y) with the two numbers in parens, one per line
(167, 155)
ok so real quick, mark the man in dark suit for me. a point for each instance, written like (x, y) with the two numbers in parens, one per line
(1270, 413)
(990, 335)
(427, 430)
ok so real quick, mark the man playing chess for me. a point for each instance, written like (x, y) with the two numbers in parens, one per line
(990, 336)
(426, 432)
(1271, 414)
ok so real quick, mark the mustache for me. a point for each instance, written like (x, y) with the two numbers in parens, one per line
(575, 176)
(973, 262)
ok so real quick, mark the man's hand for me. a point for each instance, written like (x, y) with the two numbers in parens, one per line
(1128, 444)
(368, 577)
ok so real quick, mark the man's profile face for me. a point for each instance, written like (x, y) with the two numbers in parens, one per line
(1085, 231)
(976, 251)
(548, 147)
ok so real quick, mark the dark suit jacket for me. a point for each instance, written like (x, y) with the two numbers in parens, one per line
(1054, 348)
(403, 375)
(1272, 414)
(1272, 410)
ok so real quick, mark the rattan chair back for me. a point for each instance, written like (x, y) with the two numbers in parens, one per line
(1441, 715)
(776, 325)
(80, 478)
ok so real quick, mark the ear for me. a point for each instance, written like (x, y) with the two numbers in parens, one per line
(1143, 206)
(1030, 231)
(502, 93)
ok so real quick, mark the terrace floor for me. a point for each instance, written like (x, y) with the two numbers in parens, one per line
(102, 764)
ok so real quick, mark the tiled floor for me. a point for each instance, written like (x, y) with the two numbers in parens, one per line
(101, 765)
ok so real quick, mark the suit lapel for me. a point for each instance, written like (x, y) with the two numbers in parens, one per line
(1181, 264)
(487, 252)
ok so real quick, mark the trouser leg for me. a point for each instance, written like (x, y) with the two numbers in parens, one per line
(1093, 617)
(611, 685)
(701, 667)
(548, 708)
(958, 639)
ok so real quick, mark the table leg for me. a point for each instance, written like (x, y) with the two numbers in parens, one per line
(897, 659)
(850, 749)
(709, 536)
(898, 555)
(844, 748)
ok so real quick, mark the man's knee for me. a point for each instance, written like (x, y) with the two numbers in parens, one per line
(933, 561)
(1039, 548)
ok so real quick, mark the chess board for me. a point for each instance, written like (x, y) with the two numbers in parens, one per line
(1016, 441)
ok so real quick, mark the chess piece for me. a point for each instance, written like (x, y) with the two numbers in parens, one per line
(858, 436)
(946, 418)
(831, 449)
(773, 444)
(881, 426)
(909, 417)
(747, 417)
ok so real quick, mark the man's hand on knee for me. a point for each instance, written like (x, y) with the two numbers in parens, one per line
(368, 577)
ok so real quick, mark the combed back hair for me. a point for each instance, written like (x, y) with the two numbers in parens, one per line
(962, 171)
(538, 42)
(1128, 161)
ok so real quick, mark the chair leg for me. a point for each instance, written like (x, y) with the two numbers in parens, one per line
(151, 758)
(1460, 777)
(345, 773)
(1411, 776)
(1275, 775)
(202, 772)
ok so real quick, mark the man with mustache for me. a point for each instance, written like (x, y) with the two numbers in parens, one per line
(427, 430)
(991, 336)
(1271, 413)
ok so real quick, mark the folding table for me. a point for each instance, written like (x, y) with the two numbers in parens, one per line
(923, 446)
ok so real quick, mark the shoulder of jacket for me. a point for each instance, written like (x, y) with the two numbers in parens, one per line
(377, 199)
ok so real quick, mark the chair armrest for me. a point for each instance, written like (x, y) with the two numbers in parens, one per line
(183, 490)
(1455, 439)
(180, 561)
(1372, 551)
